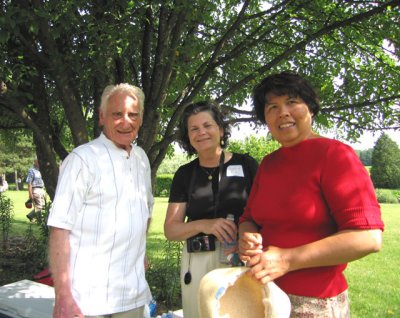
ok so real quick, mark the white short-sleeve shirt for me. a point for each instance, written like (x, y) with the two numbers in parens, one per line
(104, 199)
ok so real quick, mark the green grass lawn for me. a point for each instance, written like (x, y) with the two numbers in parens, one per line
(373, 281)
(156, 232)
(20, 222)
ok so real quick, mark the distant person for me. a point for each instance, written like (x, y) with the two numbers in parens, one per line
(312, 207)
(3, 184)
(203, 193)
(36, 190)
(20, 186)
(100, 216)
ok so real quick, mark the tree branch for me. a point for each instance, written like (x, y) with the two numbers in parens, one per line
(301, 44)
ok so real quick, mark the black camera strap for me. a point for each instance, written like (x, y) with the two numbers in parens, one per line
(215, 190)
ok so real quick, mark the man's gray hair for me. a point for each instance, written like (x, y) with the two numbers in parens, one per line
(129, 89)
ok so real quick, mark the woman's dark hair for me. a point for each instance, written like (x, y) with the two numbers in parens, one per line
(285, 83)
(205, 106)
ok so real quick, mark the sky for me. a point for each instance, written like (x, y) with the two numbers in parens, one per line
(366, 141)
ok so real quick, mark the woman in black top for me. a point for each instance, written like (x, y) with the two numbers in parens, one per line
(203, 193)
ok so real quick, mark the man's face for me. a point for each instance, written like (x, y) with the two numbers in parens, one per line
(121, 120)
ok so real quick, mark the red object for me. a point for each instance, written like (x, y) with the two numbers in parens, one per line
(28, 204)
(44, 277)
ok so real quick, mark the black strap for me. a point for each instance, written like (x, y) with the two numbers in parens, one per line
(192, 178)
(216, 192)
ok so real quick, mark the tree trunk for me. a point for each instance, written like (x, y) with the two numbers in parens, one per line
(16, 180)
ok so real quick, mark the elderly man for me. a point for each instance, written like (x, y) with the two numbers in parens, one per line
(100, 215)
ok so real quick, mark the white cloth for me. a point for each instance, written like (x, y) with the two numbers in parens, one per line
(4, 186)
(104, 199)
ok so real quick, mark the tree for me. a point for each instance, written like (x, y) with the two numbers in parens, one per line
(171, 163)
(16, 154)
(385, 170)
(365, 156)
(258, 148)
(58, 56)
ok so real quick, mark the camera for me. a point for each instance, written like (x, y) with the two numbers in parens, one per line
(201, 243)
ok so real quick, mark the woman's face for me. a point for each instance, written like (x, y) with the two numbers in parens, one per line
(288, 119)
(204, 133)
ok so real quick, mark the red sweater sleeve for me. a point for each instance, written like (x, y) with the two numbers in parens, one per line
(348, 190)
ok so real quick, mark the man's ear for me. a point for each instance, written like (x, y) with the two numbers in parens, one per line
(101, 117)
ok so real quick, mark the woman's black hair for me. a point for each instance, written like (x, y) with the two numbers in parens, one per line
(285, 83)
(205, 106)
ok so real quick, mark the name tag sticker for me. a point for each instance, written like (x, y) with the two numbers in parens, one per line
(234, 171)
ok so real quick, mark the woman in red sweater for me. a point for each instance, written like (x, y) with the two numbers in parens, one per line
(312, 208)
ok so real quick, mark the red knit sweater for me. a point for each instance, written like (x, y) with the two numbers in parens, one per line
(307, 192)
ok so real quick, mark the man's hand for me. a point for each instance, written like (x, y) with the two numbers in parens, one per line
(66, 307)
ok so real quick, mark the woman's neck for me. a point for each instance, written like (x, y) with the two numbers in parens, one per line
(210, 158)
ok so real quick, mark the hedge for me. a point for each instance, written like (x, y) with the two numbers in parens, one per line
(163, 184)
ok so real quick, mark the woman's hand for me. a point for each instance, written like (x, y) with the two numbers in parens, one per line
(250, 244)
(269, 265)
(223, 229)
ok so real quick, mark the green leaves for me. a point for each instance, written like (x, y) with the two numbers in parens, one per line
(58, 57)
(258, 148)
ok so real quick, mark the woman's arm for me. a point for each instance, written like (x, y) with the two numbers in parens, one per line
(175, 228)
(339, 248)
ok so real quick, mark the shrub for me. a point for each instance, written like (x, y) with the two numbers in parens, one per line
(163, 184)
(42, 220)
(386, 196)
(6, 216)
(163, 275)
(397, 194)
(34, 252)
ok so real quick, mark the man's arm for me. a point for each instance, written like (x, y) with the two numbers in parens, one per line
(59, 254)
(30, 190)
